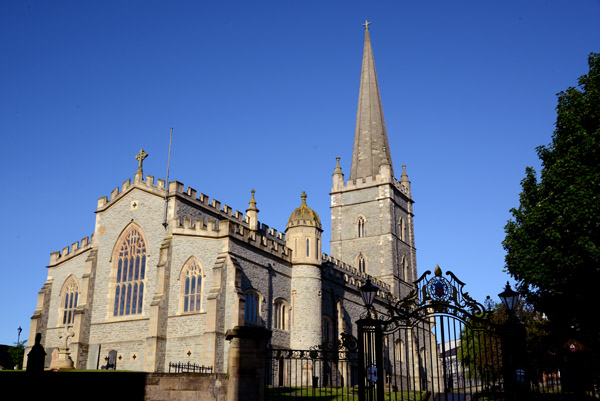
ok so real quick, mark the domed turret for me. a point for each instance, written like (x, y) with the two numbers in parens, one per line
(303, 234)
(303, 216)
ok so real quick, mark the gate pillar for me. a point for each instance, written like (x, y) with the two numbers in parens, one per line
(247, 361)
(370, 360)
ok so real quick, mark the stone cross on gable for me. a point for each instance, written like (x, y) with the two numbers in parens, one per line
(140, 158)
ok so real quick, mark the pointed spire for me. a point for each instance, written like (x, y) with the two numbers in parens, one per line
(371, 147)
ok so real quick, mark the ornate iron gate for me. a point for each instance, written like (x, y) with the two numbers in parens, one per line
(328, 371)
(435, 344)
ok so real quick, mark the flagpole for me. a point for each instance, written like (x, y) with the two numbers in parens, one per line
(165, 223)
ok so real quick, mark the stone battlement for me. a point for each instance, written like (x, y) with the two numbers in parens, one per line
(149, 184)
(70, 251)
(224, 211)
(371, 181)
(268, 243)
(352, 276)
(201, 200)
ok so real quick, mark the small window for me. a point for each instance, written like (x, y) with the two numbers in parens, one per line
(405, 268)
(362, 264)
(281, 315)
(307, 247)
(399, 351)
(402, 229)
(361, 227)
(252, 310)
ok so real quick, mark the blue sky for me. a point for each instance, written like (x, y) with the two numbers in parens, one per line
(263, 95)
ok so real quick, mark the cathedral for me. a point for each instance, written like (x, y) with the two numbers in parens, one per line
(169, 270)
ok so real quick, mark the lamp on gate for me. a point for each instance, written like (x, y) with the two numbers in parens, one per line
(368, 292)
(509, 298)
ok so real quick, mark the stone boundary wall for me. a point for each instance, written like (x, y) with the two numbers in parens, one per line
(131, 386)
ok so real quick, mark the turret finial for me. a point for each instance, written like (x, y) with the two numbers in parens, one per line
(303, 196)
(252, 203)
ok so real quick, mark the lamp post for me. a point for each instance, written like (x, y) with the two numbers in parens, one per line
(513, 346)
(370, 348)
(509, 298)
(368, 292)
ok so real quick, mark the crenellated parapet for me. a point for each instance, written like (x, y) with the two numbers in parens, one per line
(370, 181)
(270, 243)
(69, 252)
(149, 185)
(203, 201)
(190, 195)
(344, 273)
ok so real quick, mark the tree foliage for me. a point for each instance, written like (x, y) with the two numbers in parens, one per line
(17, 353)
(553, 239)
(481, 343)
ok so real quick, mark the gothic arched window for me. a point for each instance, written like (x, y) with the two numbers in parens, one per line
(281, 309)
(402, 229)
(68, 301)
(191, 286)
(130, 266)
(405, 268)
(399, 351)
(361, 226)
(361, 263)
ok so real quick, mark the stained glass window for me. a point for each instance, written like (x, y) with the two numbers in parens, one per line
(131, 274)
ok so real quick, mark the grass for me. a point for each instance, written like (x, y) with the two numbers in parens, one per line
(334, 394)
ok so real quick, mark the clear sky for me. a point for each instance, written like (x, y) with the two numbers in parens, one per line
(263, 95)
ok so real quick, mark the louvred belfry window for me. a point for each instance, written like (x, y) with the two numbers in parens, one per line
(131, 274)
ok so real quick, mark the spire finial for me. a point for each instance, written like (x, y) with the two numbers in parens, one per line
(252, 203)
(366, 25)
(303, 196)
(338, 168)
(140, 158)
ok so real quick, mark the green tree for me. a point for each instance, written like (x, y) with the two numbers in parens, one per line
(553, 240)
(481, 344)
(17, 353)
(480, 351)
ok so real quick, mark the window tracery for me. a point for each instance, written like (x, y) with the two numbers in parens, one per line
(191, 286)
(130, 273)
(68, 301)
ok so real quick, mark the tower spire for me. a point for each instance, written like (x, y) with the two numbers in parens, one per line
(371, 147)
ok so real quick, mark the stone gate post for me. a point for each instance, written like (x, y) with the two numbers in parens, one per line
(247, 363)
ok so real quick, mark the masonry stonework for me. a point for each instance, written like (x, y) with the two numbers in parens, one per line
(169, 271)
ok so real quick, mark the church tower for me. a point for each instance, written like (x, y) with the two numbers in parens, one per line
(371, 213)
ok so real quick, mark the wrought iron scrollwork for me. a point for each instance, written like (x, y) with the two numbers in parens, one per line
(431, 295)
(338, 350)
